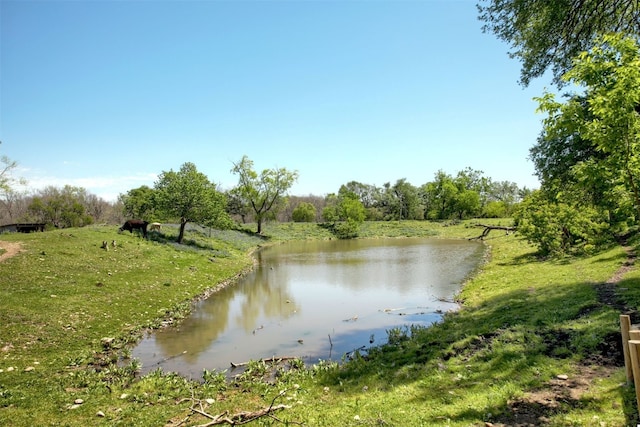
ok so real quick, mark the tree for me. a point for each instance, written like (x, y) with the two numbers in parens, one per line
(558, 228)
(8, 192)
(138, 203)
(7, 181)
(501, 199)
(304, 212)
(345, 213)
(439, 196)
(405, 200)
(264, 193)
(189, 196)
(547, 34)
(61, 208)
(604, 121)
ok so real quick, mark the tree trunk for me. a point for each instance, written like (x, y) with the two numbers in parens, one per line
(183, 223)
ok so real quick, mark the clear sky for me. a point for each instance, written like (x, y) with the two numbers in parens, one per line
(108, 94)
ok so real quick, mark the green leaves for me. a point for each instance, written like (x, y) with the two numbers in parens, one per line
(588, 152)
(265, 192)
(189, 196)
(550, 34)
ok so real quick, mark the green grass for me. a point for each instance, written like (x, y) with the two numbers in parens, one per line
(524, 321)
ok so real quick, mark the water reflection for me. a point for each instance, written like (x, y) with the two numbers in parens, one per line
(316, 300)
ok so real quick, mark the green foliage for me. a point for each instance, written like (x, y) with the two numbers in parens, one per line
(549, 34)
(304, 212)
(189, 196)
(461, 197)
(264, 193)
(344, 213)
(588, 153)
(464, 195)
(557, 228)
(61, 208)
(495, 209)
(139, 203)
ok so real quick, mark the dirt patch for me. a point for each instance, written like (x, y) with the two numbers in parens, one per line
(537, 407)
(11, 249)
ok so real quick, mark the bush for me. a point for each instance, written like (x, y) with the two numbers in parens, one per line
(304, 212)
(558, 228)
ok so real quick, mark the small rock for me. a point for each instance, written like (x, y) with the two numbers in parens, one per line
(29, 369)
(10, 368)
(124, 396)
(78, 401)
(562, 377)
(106, 340)
(210, 401)
(100, 414)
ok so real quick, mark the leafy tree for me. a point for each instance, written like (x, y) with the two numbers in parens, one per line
(317, 202)
(547, 34)
(558, 228)
(304, 212)
(439, 196)
(495, 209)
(501, 199)
(189, 196)
(61, 208)
(600, 127)
(371, 197)
(404, 201)
(237, 206)
(138, 203)
(264, 193)
(466, 203)
(345, 213)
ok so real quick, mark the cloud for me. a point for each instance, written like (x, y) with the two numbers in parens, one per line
(107, 187)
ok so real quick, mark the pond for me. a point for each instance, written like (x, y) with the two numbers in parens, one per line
(316, 300)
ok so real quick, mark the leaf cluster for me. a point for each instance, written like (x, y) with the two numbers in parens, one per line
(550, 34)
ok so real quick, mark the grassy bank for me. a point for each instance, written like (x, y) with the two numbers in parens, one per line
(68, 308)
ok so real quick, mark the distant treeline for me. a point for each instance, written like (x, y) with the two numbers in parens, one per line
(467, 194)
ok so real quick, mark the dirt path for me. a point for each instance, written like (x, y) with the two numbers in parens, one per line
(11, 248)
(536, 407)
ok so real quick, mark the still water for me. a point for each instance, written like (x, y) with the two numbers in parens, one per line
(317, 301)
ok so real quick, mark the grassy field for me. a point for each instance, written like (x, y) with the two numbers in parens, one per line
(536, 342)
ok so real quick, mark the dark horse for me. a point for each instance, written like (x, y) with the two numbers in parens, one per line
(135, 224)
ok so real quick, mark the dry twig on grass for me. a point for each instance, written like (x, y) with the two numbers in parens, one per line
(243, 417)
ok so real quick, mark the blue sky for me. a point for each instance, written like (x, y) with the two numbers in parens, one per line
(108, 94)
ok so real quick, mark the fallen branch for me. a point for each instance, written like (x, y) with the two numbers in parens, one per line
(239, 418)
(170, 357)
(488, 228)
(243, 417)
(352, 352)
